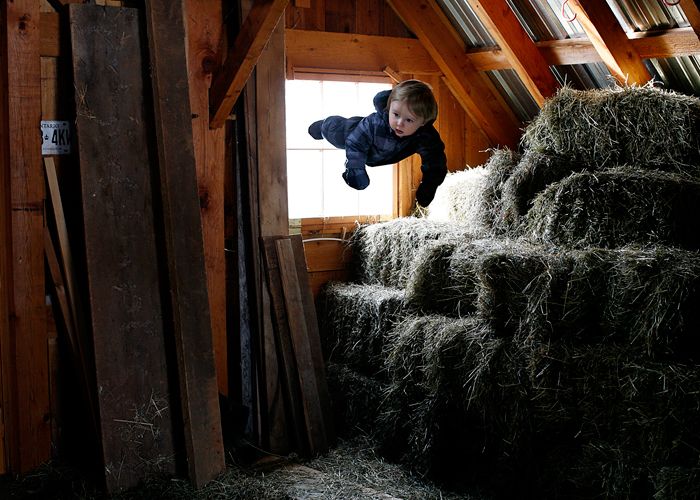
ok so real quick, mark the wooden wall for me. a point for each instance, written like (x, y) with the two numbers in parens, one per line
(367, 17)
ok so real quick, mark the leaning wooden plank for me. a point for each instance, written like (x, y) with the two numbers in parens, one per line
(80, 342)
(285, 351)
(183, 241)
(241, 59)
(60, 290)
(120, 245)
(314, 335)
(308, 382)
(23, 332)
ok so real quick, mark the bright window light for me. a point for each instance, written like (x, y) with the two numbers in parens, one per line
(314, 168)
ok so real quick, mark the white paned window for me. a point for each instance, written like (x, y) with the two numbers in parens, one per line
(314, 168)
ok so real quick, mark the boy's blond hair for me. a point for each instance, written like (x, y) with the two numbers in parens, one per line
(418, 97)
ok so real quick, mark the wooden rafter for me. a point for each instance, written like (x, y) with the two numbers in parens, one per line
(610, 41)
(518, 48)
(321, 49)
(473, 91)
(241, 59)
(692, 13)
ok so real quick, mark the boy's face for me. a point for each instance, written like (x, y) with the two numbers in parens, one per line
(401, 120)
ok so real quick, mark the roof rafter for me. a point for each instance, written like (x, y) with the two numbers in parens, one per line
(472, 90)
(610, 41)
(242, 57)
(691, 9)
(519, 49)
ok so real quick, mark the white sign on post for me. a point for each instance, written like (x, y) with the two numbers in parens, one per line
(55, 137)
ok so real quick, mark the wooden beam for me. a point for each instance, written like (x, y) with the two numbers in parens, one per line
(519, 49)
(204, 36)
(241, 59)
(183, 241)
(318, 51)
(474, 92)
(321, 49)
(692, 13)
(23, 329)
(610, 41)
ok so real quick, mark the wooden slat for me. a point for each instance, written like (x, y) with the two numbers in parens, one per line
(299, 334)
(272, 153)
(60, 290)
(120, 245)
(518, 47)
(610, 41)
(244, 54)
(183, 241)
(287, 363)
(23, 333)
(76, 318)
(313, 335)
(478, 97)
(271, 196)
(204, 36)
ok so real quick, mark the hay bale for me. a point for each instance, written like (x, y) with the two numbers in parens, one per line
(652, 301)
(594, 416)
(357, 399)
(471, 197)
(631, 418)
(434, 287)
(644, 126)
(459, 200)
(354, 321)
(384, 253)
(532, 174)
(437, 365)
(616, 207)
(517, 287)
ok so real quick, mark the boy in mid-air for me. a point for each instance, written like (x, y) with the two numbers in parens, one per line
(401, 126)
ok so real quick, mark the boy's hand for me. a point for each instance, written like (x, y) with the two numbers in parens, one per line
(356, 178)
(425, 194)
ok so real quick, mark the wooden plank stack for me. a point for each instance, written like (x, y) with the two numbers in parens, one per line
(298, 345)
(154, 367)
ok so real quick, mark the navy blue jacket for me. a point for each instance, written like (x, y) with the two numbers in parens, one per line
(372, 142)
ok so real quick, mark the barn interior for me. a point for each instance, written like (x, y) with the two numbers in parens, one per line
(195, 305)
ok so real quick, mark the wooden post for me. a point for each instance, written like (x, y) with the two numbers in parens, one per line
(204, 36)
(183, 241)
(23, 331)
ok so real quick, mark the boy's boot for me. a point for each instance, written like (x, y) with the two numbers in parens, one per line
(315, 130)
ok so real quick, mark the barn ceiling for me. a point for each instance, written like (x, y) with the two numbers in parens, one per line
(545, 20)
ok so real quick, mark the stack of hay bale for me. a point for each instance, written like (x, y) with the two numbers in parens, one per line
(537, 333)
